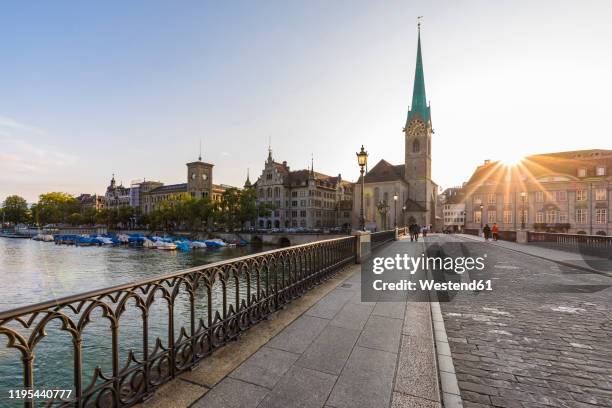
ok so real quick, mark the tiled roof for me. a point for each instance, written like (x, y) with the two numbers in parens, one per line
(385, 171)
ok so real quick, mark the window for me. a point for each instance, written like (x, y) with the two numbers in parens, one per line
(507, 216)
(582, 172)
(524, 216)
(601, 215)
(561, 195)
(581, 216)
(563, 217)
(416, 146)
(600, 194)
(477, 216)
(551, 216)
(540, 217)
(600, 171)
(581, 195)
(302, 213)
(491, 198)
(477, 199)
(269, 176)
(539, 196)
(491, 217)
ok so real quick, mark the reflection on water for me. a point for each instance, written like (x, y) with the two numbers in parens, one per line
(33, 272)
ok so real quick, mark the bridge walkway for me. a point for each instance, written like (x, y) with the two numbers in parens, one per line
(341, 352)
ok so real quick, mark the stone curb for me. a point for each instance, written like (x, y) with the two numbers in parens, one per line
(449, 386)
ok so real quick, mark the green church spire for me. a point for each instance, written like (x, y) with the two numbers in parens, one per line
(419, 99)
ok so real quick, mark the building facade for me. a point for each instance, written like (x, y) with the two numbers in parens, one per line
(93, 202)
(567, 192)
(116, 196)
(302, 198)
(153, 194)
(404, 194)
(452, 201)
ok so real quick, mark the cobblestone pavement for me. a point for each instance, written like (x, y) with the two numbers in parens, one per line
(541, 337)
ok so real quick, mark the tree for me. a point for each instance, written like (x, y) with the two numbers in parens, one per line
(55, 207)
(15, 209)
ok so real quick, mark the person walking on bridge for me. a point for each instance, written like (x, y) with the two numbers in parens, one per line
(486, 232)
(495, 231)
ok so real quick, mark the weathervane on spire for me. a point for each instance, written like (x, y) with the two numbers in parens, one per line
(419, 22)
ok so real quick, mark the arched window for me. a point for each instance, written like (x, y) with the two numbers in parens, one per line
(416, 146)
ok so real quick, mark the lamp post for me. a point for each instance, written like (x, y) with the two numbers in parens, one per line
(395, 197)
(481, 215)
(403, 216)
(523, 198)
(362, 160)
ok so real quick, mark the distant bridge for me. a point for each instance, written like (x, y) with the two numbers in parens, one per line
(282, 239)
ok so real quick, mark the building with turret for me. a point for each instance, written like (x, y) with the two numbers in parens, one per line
(116, 195)
(302, 198)
(405, 193)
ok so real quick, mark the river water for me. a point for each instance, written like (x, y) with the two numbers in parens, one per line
(33, 271)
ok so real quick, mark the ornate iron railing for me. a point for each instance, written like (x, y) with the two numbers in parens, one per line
(379, 238)
(201, 309)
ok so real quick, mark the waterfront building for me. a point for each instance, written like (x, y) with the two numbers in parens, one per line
(152, 194)
(410, 182)
(452, 202)
(566, 192)
(93, 202)
(302, 198)
(116, 196)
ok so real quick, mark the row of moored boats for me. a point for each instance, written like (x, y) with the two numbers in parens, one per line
(137, 240)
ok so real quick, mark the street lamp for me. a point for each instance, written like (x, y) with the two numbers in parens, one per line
(395, 197)
(481, 215)
(404, 215)
(362, 160)
(523, 198)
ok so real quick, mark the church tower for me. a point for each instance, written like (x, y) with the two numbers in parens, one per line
(417, 164)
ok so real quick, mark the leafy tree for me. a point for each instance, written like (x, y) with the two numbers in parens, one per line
(15, 209)
(55, 207)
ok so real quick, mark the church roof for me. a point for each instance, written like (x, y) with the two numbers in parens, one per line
(419, 98)
(385, 171)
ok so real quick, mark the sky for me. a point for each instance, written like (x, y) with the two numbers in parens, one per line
(88, 89)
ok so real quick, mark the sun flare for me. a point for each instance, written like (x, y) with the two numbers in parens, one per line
(510, 157)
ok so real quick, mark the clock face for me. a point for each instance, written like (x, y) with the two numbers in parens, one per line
(204, 176)
(416, 128)
(193, 176)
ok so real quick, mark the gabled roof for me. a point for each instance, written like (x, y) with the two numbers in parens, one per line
(385, 171)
